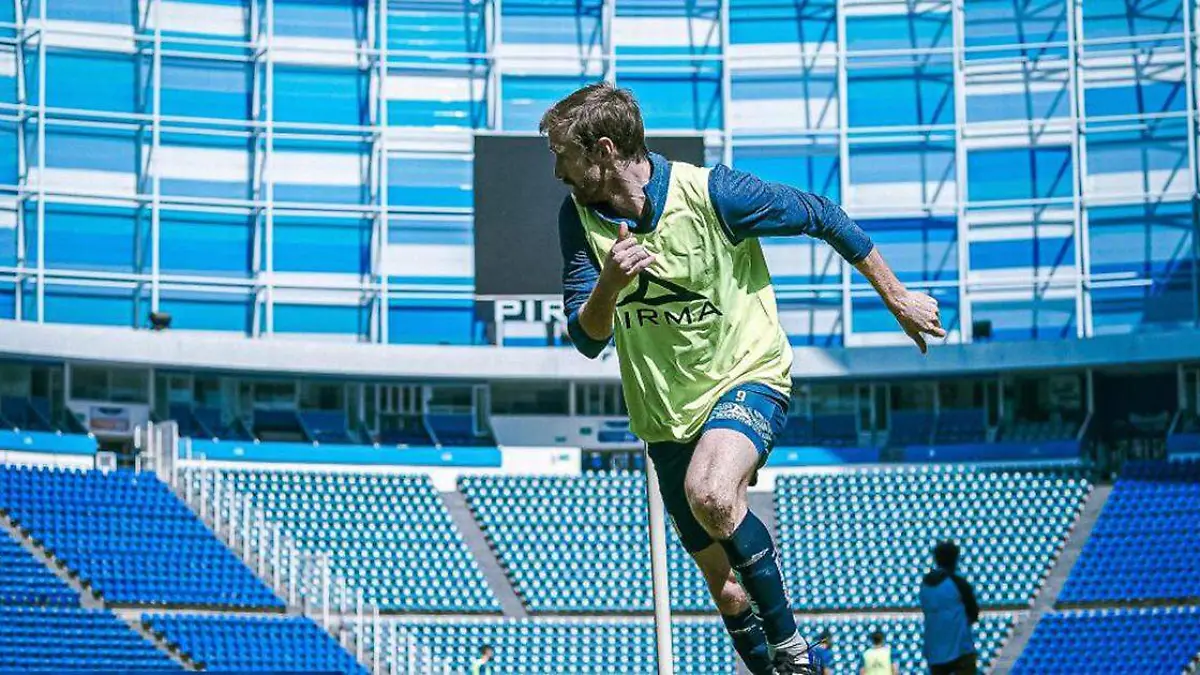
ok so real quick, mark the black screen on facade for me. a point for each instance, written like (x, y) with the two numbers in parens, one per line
(516, 211)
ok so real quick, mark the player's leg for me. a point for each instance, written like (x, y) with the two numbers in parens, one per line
(744, 626)
(671, 461)
(736, 440)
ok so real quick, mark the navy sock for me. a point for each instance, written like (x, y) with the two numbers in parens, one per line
(752, 555)
(749, 641)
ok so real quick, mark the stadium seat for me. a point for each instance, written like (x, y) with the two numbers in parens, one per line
(72, 640)
(405, 430)
(129, 538)
(255, 644)
(863, 539)
(388, 534)
(968, 425)
(626, 645)
(458, 429)
(25, 581)
(579, 544)
(325, 426)
(911, 428)
(1161, 640)
(1144, 544)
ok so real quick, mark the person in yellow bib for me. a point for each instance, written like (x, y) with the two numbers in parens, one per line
(877, 659)
(663, 258)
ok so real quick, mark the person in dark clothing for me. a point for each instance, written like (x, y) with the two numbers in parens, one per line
(950, 609)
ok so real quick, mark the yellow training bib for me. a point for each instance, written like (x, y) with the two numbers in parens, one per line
(696, 323)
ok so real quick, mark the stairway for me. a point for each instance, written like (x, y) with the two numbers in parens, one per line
(482, 551)
(1048, 594)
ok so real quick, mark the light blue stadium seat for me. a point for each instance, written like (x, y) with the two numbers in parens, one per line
(388, 534)
(579, 544)
(863, 539)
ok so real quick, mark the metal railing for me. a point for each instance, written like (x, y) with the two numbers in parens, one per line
(304, 579)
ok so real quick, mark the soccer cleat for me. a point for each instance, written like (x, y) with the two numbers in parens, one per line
(793, 659)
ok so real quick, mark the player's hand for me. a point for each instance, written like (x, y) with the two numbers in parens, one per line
(625, 260)
(919, 316)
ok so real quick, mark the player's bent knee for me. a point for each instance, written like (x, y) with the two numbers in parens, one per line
(713, 505)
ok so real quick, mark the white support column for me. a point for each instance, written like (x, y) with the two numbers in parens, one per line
(384, 178)
(966, 333)
(41, 164)
(496, 69)
(844, 162)
(268, 172)
(726, 88)
(22, 158)
(1189, 36)
(152, 164)
(608, 14)
(1083, 303)
(259, 159)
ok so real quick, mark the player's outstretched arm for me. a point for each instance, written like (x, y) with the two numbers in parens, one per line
(917, 313)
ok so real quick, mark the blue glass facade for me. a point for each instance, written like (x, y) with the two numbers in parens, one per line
(303, 167)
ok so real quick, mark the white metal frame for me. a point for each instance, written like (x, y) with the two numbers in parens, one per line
(29, 42)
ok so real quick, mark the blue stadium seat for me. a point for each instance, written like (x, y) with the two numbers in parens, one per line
(25, 581)
(457, 429)
(911, 428)
(1144, 544)
(326, 426)
(967, 425)
(862, 539)
(1162, 640)
(71, 639)
(129, 538)
(254, 644)
(388, 534)
(406, 430)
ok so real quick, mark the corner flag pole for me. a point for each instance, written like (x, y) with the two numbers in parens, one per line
(658, 571)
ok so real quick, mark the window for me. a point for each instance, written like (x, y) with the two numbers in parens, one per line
(89, 383)
(600, 399)
(321, 396)
(530, 398)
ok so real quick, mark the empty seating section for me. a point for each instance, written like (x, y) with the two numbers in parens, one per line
(24, 580)
(1110, 641)
(205, 422)
(256, 644)
(457, 429)
(1145, 543)
(701, 645)
(1034, 432)
(128, 537)
(837, 430)
(404, 430)
(580, 647)
(278, 425)
(579, 544)
(70, 639)
(20, 413)
(325, 426)
(863, 539)
(911, 428)
(389, 535)
(965, 425)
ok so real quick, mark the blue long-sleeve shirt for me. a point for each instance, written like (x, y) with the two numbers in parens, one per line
(746, 207)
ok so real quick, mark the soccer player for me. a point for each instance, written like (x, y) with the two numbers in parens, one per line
(664, 257)
(483, 664)
(877, 659)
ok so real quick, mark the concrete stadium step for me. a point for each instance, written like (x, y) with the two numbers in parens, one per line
(481, 550)
(1048, 594)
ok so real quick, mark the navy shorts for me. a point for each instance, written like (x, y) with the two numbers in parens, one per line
(755, 410)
